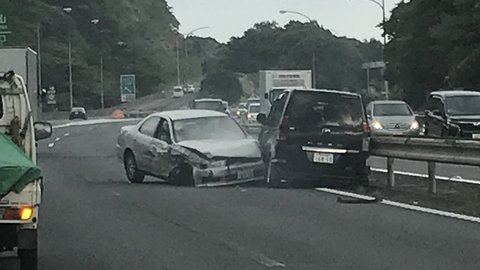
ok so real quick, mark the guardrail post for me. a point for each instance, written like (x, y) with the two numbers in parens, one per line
(431, 176)
(391, 173)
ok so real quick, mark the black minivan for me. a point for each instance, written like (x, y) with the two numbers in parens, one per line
(453, 114)
(315, 136)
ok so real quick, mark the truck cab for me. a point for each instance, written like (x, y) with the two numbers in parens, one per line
(21, 180)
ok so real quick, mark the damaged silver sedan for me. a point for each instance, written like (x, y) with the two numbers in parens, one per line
(190, 147)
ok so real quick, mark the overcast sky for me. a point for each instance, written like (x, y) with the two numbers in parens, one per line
(226, 18)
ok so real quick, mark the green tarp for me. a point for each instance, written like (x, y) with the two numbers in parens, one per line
(16, 169)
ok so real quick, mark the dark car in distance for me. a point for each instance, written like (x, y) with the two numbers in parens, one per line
(318, 137)
(78, 113)
(453, 114)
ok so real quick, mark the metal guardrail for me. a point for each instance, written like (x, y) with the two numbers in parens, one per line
(431, 150)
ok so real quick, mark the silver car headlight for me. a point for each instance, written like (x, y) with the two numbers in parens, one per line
(376, 125)
(415, 125)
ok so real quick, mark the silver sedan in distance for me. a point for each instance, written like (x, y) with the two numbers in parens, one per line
(190, 147)
(392, 118)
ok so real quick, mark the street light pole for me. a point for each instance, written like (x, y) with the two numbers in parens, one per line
(102, 93)
(314, 76)
(39, 67)
(384, 20)
(178, 61)
(68, 10)
(186, 47)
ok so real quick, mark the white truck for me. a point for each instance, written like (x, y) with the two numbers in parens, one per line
(20, 178)
(273, 82)
(24, 62)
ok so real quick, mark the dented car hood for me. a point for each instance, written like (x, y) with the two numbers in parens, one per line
(225, 148)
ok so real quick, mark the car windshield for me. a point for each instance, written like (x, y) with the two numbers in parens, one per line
(254, 108)
(463, 105)
(309, 109)
(208, 128)
(209, 105)
(400, 109)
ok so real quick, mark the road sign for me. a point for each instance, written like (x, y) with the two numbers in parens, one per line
(373, 65)
(128, 90)
(51, 99)
(4, 30)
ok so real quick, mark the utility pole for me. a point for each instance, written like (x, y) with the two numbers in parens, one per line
(102, 90)
(68, 10)
(178, 61)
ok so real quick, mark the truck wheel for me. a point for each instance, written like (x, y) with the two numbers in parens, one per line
(182, 176)
(134, 175)
(28, 259)
(273, 175)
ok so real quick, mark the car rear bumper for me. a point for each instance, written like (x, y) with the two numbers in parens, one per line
(229, 175)
(350, 167)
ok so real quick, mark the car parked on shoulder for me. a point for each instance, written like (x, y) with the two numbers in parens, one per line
(392, 118)
(190, 147)
(453, 114)
(315, 136)
(78, 113)
(178, 92)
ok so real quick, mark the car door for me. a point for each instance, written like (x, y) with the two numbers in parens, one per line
(160, 149)
(142, 143)
(435, 116)
(269, 132)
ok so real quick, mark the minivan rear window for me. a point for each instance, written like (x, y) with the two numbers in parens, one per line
(323, 109)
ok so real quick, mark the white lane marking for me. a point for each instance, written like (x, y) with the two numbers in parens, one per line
(404, 205)
(57, 139)
(96, 121)
(116, 194)
(66, 134)
(50, 145)
(458, 179)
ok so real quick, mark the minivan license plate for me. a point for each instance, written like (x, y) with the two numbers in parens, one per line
(323, 158)
(476, 136)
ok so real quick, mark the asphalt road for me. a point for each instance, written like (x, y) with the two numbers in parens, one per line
(93, 219)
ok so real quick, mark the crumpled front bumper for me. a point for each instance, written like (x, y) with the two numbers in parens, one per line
(229, 175)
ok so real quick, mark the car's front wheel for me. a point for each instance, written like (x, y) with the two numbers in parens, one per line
(134, 175)
(182, 175)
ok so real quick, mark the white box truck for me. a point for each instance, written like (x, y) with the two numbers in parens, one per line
(273, 82)
(24, 62)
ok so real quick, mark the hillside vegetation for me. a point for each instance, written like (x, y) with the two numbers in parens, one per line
(134, 36)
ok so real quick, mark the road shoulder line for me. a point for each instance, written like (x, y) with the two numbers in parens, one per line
(403, 205)
(420, 175)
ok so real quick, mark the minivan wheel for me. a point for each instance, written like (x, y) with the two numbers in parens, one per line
(134, 175)
(28, 259)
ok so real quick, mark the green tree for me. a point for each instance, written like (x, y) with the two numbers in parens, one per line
(224, 85)
(432, 40)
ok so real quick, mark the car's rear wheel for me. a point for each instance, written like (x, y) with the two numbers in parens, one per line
(182, 175)
(134, 175)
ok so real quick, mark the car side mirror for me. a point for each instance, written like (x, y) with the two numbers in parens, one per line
(262, 118)
(266, 95)
(43, 130)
